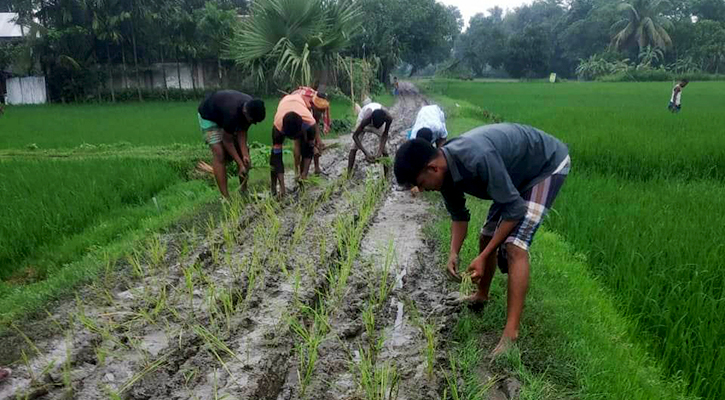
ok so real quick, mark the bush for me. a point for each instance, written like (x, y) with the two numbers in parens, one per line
(634, 75)
(341, 126)
(658, 75)
(131, 95)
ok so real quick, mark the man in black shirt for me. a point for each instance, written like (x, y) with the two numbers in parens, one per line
(224, 118)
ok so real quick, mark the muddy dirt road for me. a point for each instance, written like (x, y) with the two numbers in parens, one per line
(331, 294)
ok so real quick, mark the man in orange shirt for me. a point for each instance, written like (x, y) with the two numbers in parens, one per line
(295, 121)
(320, 107)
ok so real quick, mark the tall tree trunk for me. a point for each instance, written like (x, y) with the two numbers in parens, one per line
(192, 64)
(100, 84)
(110, 72)
(219, 71)
(178, 67)
(123, 60)
(135, 60)
(163, 72)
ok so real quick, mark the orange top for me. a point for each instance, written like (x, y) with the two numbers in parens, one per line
(293, 103)
(308, 95)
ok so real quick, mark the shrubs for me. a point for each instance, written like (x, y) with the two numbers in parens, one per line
(603, 69)
(635, 75)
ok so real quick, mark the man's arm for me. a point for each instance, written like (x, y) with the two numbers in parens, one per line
(228, 143)
(455, 202)
(242, 139)
(356, 137)
(459, 231)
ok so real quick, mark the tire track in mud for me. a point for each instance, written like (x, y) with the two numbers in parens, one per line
(118, 345)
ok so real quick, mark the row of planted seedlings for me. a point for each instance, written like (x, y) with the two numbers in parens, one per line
(311, 322)
(277, 236)
(277, 230)
(189, 287)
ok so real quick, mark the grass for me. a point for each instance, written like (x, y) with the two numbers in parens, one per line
(139, 124)
(575, 344)
(114, 237)
(646, 282)
(128, 125)
(47, 201)
(620, 128)
(658, 246)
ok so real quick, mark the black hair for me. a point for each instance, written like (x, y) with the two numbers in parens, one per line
(425, 134)
(411, 159)
(685, 81)
(378, 117)
(292, 124)
(256, 111)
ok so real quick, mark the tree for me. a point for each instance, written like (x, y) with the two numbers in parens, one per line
(418, 32)
(584, 31)
(526, 54)
(214, 26)
(296, 40)
(107, 18)
(483, 43)
(430, 33)
(643, 24)
(708, 45)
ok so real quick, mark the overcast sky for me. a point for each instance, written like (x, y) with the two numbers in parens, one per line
(470, 8)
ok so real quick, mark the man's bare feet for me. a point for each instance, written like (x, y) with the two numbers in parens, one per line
(5, 374)
(475, 301)
(478, 298)
(504, 344)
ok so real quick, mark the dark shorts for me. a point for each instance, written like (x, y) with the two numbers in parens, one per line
(276, 162)
(674, 108)
(539, 200)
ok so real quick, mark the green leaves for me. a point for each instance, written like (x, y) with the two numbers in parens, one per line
(298, 37)
(643, 24)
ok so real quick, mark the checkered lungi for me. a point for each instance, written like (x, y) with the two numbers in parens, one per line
(538, 202)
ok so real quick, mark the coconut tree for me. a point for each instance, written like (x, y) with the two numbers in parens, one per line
(643, 24)
(296, 40)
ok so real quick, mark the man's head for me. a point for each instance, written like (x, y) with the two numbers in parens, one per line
(378, 118)
(254, 111)
(425, 134)
(417, 163)
(291, 124)
(320, 104)
(684, 82)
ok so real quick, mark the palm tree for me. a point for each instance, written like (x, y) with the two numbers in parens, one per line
(297, 40)
(642, 24)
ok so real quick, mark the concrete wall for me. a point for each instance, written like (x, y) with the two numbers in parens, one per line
(205, 75)
(26, 90)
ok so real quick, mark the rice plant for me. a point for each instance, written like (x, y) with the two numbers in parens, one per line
(310, 337)
(378, 382)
